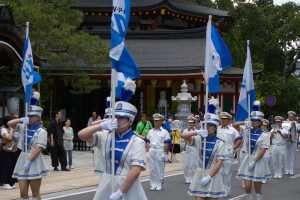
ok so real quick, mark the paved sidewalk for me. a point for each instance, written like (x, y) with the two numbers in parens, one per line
(82, 176)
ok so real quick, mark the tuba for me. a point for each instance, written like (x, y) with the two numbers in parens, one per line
(291, 127)
(293, 131)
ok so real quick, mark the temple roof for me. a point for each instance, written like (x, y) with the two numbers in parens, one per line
(180, 5)
(159, 55)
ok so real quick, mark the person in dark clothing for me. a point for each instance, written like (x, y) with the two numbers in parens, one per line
(58, 152)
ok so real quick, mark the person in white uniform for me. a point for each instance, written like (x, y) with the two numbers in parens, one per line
(254, 166)
(209, 186)
(278, 138)
(291, 142)
(130, 155)
(232, 140)
(189, 153)
(158, 138)
(30, 168)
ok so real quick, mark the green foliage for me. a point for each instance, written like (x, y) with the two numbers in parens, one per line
(54, 36)
(286, 93)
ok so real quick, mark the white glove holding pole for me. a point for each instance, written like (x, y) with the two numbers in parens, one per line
(202, 133)
(27, 165)
(25, 120)
(109, 125)
(116, 195)
(205, 180)
(248, 124)
(251, 165)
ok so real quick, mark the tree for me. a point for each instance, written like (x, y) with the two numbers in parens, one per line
(54, 37)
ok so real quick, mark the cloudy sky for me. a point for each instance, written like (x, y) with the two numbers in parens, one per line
(284, 1)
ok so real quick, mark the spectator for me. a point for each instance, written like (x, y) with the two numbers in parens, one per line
(8, 159)
(68, 141)
(143, 126)
(58, 152)
(92, 118)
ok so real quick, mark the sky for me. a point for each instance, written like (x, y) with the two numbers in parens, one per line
(279, 2)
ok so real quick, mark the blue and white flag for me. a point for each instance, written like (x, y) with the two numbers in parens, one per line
(28, 75)
(122, 60)
(247, 90)
(217, 57)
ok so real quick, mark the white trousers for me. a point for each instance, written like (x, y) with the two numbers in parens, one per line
(278, 156)
(157, 167)
(290, 156)
(189, 162)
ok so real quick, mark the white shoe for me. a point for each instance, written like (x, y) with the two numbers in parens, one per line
(279, 176)
(291, 172)
(71, 167)
(152, 188)
(286, 172)
(159, 188)
(275, 176)
(7, 187)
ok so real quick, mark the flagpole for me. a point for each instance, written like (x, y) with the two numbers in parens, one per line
(249, 110)
(205, 128)
(113, 102)
(26, 103)
(207, 57)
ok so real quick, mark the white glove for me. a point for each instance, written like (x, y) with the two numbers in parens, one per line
(116, 195)
(205, 180)
(25, 120)
(251, 165)
(202, 133)
(248, 124)
(27, 165)
(109, 125)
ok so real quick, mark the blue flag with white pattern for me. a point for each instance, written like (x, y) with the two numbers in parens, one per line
(217, 57)
(28, 75)
(122, 60)
(247, 90)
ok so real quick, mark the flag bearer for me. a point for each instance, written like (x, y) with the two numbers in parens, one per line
(130, 155)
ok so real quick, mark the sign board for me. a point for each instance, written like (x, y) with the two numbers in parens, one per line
(270, 100)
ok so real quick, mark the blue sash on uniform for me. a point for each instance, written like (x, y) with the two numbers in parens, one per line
(31, 129)
(210, 145)
(254, 137)
(121, 142)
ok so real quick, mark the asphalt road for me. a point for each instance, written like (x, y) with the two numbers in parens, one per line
(287, 188)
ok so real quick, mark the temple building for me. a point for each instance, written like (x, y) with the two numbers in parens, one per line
(167, 40)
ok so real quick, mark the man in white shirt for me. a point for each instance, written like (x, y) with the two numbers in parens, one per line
(232, 139)
(157, 138)
(278, 137)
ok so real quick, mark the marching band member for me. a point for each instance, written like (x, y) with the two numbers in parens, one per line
(189, 153)
(158, 138)
(233, 140)
(254, 166)
(291, 142)
(30, 168)
(130, 154)
(209, 186)
(278, 138)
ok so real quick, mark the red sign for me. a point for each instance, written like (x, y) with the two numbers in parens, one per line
(270, 100)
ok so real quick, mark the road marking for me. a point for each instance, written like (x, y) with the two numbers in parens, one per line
(238, 197)
(88, 191)
(295, 176)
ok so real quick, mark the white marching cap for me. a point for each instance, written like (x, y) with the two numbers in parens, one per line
(124, 109)
(157, 116)
(213, 119)
(225, 115)
(35, 110)
(257, 115)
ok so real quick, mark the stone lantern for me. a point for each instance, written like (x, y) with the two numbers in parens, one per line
(184, 100)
